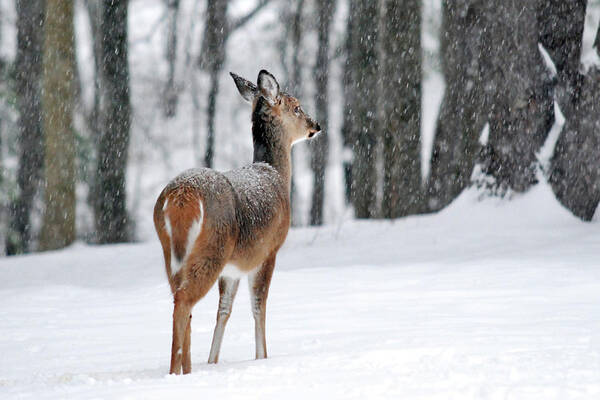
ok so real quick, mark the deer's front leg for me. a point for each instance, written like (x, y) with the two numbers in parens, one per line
(227, 289)
(258, 283)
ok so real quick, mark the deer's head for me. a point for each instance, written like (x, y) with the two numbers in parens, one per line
(279, 107)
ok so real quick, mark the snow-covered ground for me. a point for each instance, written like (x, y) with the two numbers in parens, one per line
(486, 300)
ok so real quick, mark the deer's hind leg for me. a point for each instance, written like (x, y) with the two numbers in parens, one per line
(186, 356)
(258, 284)
(201, 273)
(181, 321)
(227, 289)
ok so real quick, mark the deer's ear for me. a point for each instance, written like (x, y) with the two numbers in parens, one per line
(268, 86)
(246, 88)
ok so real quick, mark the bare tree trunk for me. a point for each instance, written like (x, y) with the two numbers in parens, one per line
(401, 67)
(293, 24)
(520, 109)
(296, 45)
(171, 92)
(366, 126)
(349, 116)
(320, 145)
(560, 25)
(58, 229)
(574, 170)
(462, 113)
(111, 218)
(28, 67)
(212, 109)
(212, 58)
(94, 9)
(597, 41)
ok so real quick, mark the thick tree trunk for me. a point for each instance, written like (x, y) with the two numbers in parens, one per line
(111, 219)
(574, 170)
(401, 45)
(365, 126)
(28, 67)
(320, 145)
(520, 111)
(560, 25)
(58, 229)
(461, 116)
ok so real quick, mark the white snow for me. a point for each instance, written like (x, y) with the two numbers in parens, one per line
(486, 300)
(547, 60)
(545, 153)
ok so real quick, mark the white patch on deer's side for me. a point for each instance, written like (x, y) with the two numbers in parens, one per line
(168, 227)
(166, 203)
(193, 234)
(233, 272)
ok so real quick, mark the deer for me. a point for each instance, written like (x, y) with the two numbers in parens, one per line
(226, 225)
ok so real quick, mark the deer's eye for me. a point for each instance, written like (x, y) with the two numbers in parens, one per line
(297, 110)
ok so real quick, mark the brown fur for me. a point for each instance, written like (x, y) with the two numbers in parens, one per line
(245, 218)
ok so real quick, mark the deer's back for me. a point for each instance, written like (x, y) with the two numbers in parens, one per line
(243, 212)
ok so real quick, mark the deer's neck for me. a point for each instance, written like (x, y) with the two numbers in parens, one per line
(270, 146)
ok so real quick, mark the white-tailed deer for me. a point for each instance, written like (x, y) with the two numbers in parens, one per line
(215, 225)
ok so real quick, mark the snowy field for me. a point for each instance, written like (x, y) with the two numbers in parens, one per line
(487, 300)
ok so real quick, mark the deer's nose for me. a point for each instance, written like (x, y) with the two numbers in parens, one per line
(315, 130)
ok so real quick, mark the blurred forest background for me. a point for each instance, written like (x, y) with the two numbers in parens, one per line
(103, 102)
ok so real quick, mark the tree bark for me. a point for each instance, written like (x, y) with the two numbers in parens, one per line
(560, 25)
(296, 45)
(520, 111)
(94, 9)
(574, 170)
(401, 67)
(462, 113)
(348, 117)
(320, 144)
(597, 41)
(170, 96)
(365, 127)
(294, 20)
(58, 229)
(111, 218)
(28, 67)
(211, 59)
